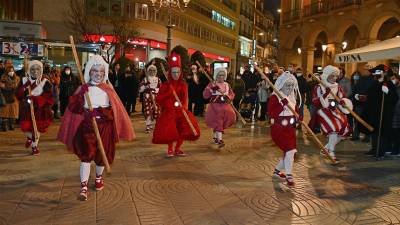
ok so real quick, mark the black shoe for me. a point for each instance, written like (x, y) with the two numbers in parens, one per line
(371, 152)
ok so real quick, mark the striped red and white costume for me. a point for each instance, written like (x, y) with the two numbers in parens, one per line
(331, 114)
(331, 118)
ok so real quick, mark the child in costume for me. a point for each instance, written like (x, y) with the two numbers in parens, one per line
(172, 124)
(283, 128)
(77, 132)
(42, 99)
(220, 114)
(150, 87)
(331, 115)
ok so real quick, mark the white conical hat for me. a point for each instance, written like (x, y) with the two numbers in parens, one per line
(95, 60)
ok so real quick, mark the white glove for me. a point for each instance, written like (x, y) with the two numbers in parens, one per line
(385, 89)
(357, 97)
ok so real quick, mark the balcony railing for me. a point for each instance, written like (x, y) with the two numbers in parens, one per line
(323, 6)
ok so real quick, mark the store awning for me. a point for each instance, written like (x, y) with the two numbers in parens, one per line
(388, 49)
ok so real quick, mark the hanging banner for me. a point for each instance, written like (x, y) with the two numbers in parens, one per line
(22, 48)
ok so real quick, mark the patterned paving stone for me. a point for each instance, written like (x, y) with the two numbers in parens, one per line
(232, 185)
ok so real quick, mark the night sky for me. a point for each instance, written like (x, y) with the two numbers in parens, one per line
(272, 6)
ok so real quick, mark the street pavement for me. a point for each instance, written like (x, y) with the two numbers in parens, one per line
(232, 185)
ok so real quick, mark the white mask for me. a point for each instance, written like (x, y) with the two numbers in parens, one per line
(394, 82)
(97, 74)
(175, 73)
(11, 73)
(68, 72)
(299, 74)
(287, 88)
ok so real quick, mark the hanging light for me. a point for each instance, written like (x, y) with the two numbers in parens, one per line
(299, 50)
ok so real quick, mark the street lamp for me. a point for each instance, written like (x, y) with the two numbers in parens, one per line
(169, 4)
(344, 45)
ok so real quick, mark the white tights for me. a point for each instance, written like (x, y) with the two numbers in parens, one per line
(34, 142)
(287, 162)
(149, 122)
(333, 140)
(85, 171)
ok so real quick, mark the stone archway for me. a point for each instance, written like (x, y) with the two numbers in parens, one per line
(379, 21)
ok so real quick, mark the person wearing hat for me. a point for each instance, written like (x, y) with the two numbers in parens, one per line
(283, 123)
(220, 114)
(382, 87)
(331, 115)
(76, 129)
(42, 99)
(150, 87)
(172, 126)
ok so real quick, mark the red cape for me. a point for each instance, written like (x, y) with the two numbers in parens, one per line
(70, 121)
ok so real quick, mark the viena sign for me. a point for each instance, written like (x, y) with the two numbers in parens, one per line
(349, 58)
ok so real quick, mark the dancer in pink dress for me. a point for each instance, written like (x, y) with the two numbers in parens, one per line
(220, 114)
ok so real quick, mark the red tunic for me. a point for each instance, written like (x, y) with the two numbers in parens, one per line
(172, 125)
(42, 105)
(76, 130)
(330, 119)
(284, 136)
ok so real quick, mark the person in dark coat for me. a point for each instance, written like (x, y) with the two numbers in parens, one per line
(372, 112)
(68, 84)
(197, 82)
(303, 88)
(361, 85)
(395, 137)
(129, 84)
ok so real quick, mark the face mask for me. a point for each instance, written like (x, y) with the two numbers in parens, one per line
(67, 72)
(356, 77)
(380, 79)
(175, 73)
(299, 74)
(394, 82)
(10, 74)
(287, 88)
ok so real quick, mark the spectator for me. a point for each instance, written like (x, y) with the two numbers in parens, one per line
(263, 95)
(345, 83)
(68, 84)
(372, 113)
(303, 88)
(395, 137)
(55, 81)
(359, 98)
(129, 89)
(238, 88)
(197, 82)
(9, 82)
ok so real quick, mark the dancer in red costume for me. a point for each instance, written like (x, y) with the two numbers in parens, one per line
(172, 126)
(42, 100)
(283, 129)
(331, 115)
(76, 130)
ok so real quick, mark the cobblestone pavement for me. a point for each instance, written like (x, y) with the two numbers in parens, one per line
(210, 186)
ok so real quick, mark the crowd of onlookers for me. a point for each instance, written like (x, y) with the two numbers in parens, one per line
(251, 93)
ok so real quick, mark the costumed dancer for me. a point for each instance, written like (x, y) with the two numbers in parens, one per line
(172, 125)
(76, 129)
(331, 115)
(42, 99)
(220, 114)
(150, 87)
(283, 129)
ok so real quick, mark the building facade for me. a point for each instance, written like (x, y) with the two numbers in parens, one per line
(254, 15)
(312, 32)
(211, 26)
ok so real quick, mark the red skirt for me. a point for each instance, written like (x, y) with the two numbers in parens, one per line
(284, 136)
(172, 126)
(43, 116)
(85, 142)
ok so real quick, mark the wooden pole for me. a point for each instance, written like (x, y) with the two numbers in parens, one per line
(34, 125)
(94, 123)
(279, 94)
(357, 117)
(211, 80)
(180, 103)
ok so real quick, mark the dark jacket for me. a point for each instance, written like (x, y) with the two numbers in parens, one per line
(372, 111)
(68, 85)
(129, 86)
(362, 87)
(196, 89)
